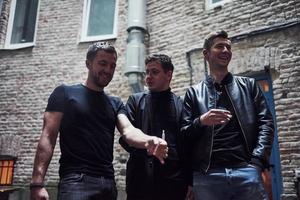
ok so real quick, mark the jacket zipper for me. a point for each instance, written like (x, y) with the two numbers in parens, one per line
(212, 134)
(243, 132)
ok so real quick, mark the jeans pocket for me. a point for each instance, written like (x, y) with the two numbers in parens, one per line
(71, 178)
(254, 167)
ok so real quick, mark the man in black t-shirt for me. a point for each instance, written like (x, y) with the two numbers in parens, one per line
(86, 118)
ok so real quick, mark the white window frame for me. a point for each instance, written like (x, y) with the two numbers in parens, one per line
(86, 11)
(210, 5)
(8, 45)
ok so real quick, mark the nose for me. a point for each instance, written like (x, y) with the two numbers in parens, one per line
(109, 68)
(226, 49)
(147, 78)
(148, 75)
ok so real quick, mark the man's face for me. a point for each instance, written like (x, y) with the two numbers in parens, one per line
(156, 78)
(220, 53)
(102, 68)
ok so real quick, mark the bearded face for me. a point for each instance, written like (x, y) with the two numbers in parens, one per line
(101, 69)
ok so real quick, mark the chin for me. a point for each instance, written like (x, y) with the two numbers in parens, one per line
(223, 65)
(102, 85)
(151, 88)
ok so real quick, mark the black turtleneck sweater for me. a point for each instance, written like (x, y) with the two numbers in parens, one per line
(164, 119)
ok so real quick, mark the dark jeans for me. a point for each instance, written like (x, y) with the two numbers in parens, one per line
(147, 179)
(244, 183)
(84, 187)
(164, 190)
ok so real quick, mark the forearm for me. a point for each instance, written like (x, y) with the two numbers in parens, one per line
(42, 159)
(136, 138)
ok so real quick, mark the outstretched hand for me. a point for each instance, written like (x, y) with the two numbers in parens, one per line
(157, 147)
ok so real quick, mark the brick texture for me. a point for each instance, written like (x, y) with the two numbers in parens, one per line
(267, 37)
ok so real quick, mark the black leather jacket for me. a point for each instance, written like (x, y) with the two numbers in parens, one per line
(140, 114)
(252, 113)
(139, 171)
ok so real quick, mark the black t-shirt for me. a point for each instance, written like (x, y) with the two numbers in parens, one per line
(86, 130)
(229, 149)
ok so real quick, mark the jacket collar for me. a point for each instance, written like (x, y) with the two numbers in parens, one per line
(227, 80)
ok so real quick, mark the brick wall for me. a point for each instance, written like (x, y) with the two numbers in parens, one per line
(29, 75)
(176, 27)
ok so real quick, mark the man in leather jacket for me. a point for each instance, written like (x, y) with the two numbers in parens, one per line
(229, 129)
(156, 112)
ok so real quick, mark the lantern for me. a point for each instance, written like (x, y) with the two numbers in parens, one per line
(6, 169)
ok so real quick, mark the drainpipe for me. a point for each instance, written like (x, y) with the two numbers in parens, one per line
(135, 50)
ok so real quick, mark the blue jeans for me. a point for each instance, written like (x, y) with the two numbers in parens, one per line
(244, 183)
(84, 187)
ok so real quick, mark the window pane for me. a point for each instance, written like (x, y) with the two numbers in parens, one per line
(24, 21)
(101, 17)
(216, 1)
(1, 1)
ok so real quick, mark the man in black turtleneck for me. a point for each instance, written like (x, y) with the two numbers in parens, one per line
(157, 112)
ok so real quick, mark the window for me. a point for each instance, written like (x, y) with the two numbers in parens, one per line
(7, 164)
(99, 20)
(1, 1)
(214, 3)
(22, 24)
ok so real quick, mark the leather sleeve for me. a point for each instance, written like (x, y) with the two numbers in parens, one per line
(190, 118)
(265, 127)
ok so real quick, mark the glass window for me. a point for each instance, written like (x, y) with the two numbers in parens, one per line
(22, 23)
(214, 3)
(99, 20)
(1, 1)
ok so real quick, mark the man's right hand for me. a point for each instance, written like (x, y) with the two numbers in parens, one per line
(39, 194)
(215, 117)
(158, 148)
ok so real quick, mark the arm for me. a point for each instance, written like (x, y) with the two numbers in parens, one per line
(44, 152)
(262, 151)
(131, 115)
(191, 124)
(135, 137)
(194, 120)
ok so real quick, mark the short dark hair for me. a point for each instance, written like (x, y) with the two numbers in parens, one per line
(208, 42)
(163, 59)
(95, 47)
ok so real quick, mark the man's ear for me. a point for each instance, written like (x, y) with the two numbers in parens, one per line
(88, 64)
(205, 53)
(170, 74)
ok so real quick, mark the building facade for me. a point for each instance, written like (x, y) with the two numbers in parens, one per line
(43, 44)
